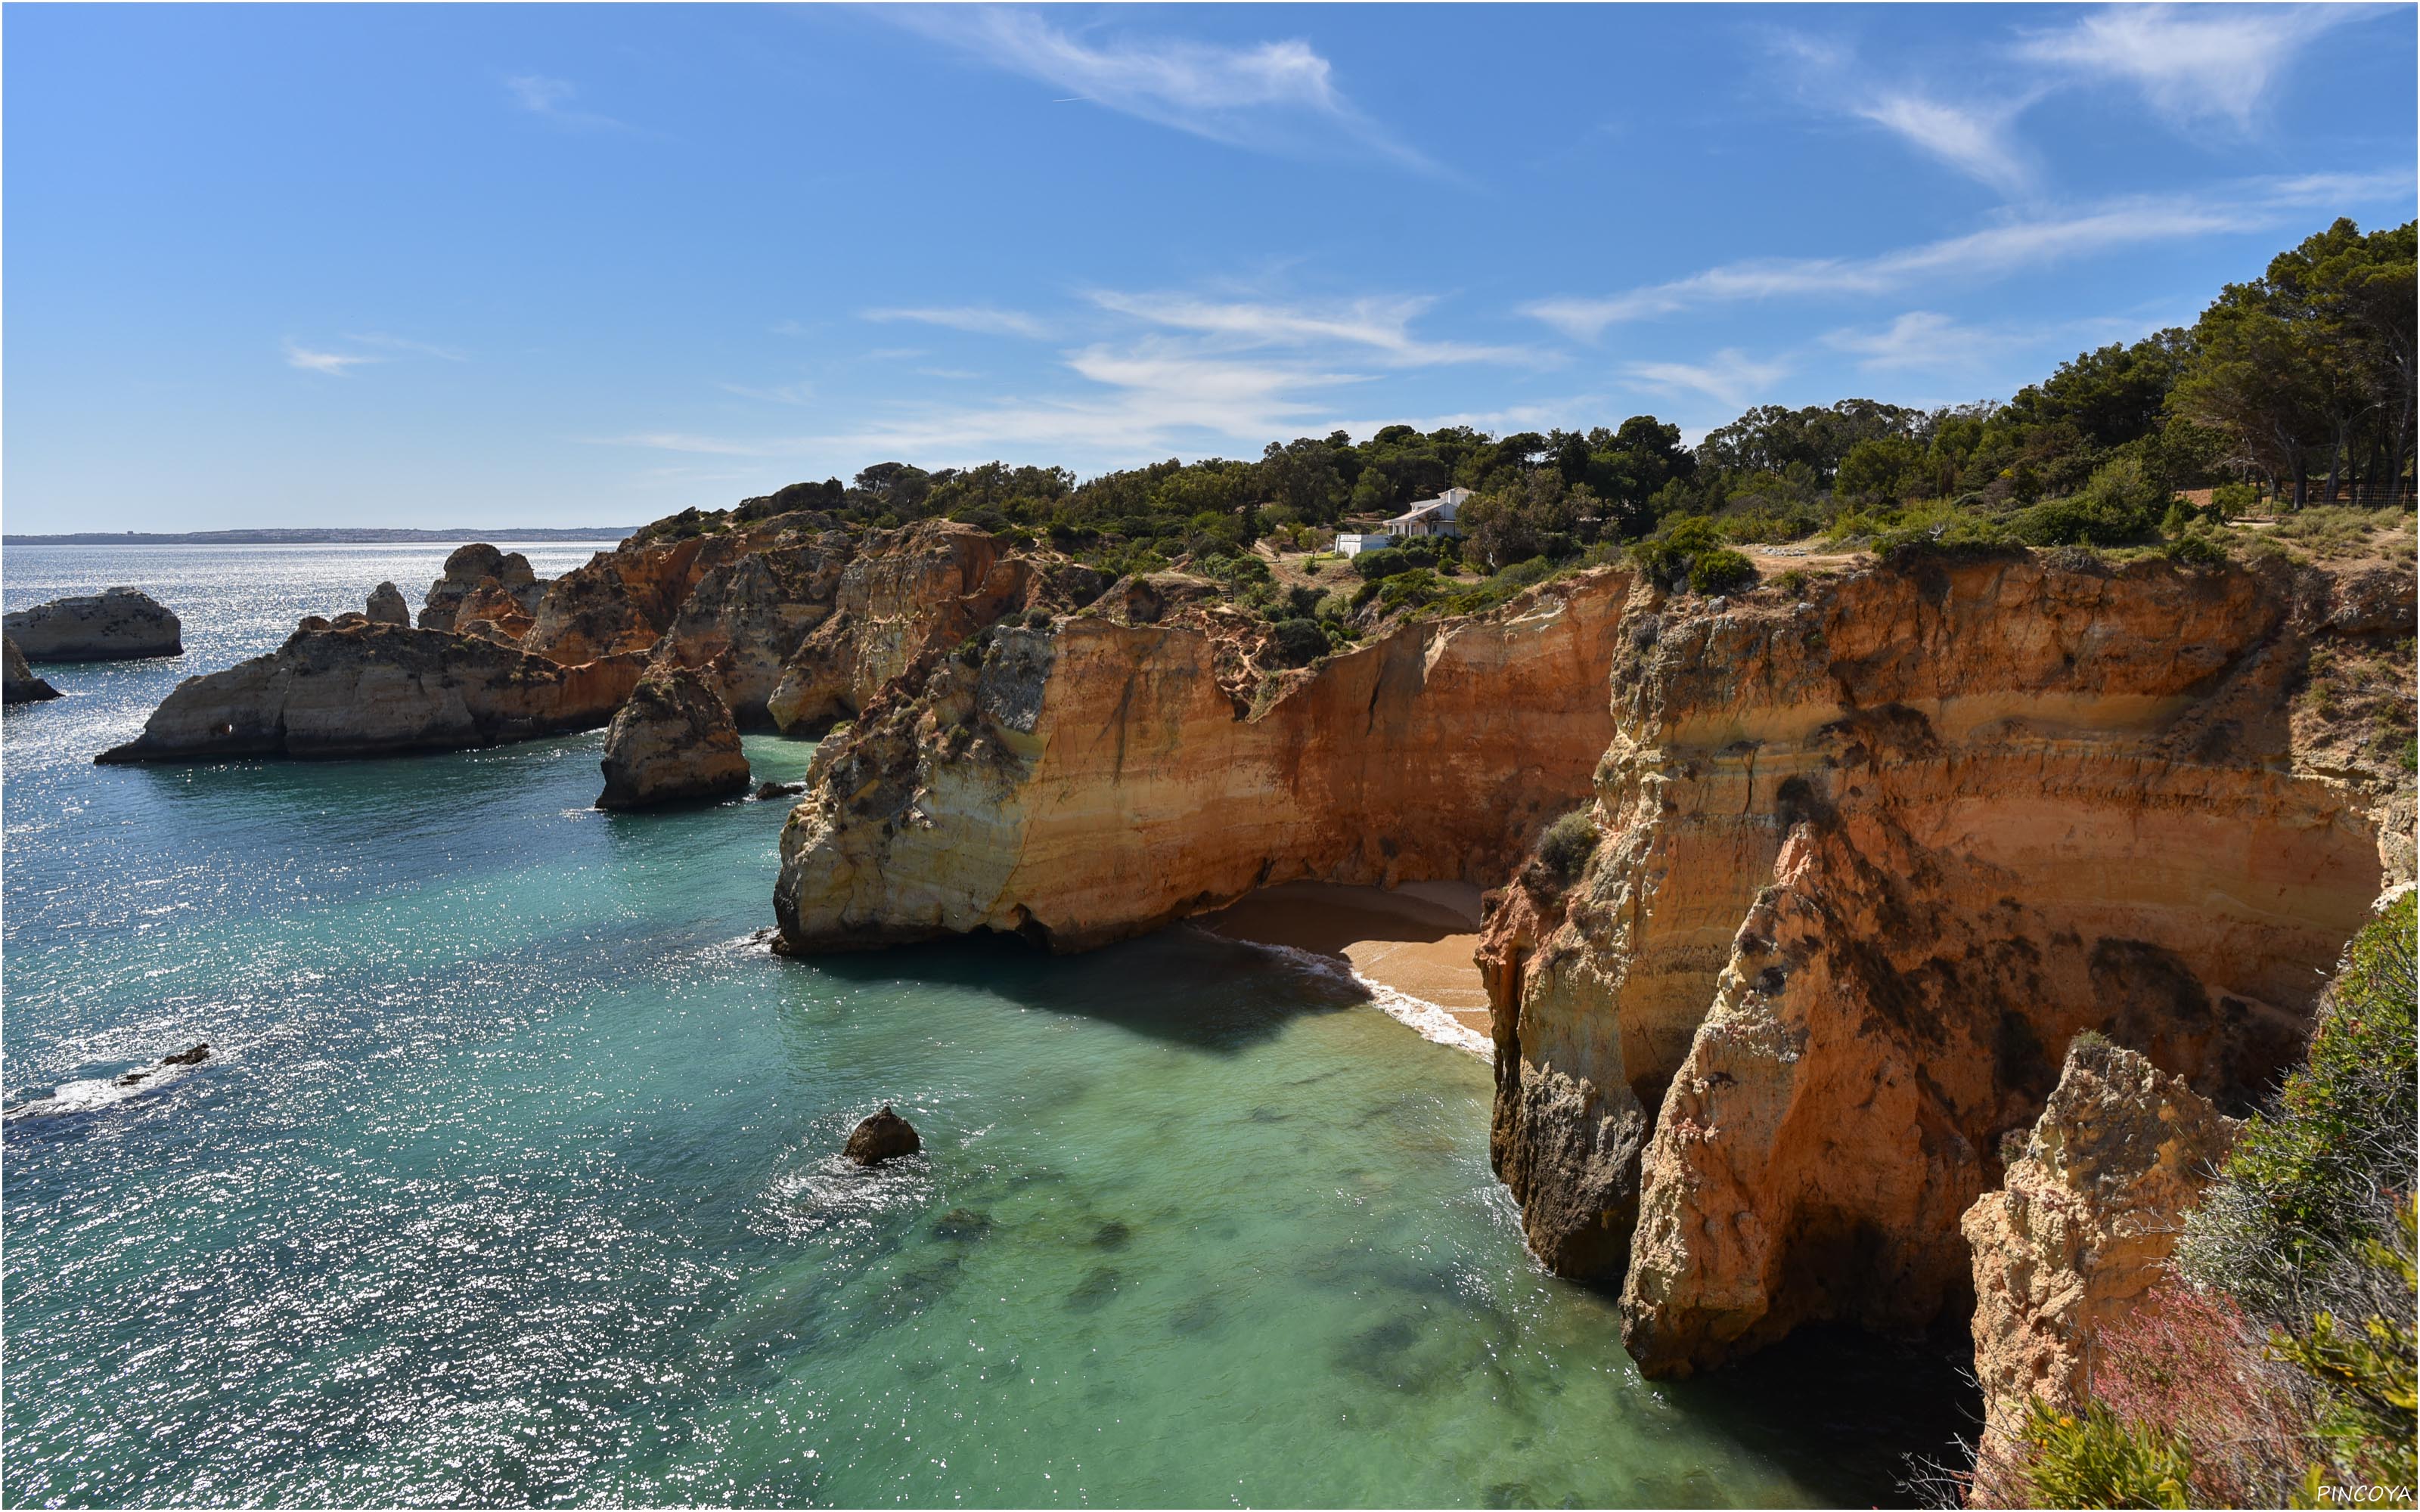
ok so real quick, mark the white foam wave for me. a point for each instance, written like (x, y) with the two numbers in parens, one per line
(1431, 1023)
(92, 1094)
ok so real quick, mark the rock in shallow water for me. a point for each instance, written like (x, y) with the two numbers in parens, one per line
(18, 684)
(674, 739)
(117, 626)
(882, 1136)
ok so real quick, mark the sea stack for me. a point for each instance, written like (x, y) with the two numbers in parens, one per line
(386, 606)
(469, 568)
(117, 626)
(882, 1136)
(674, 740)
(18, 684)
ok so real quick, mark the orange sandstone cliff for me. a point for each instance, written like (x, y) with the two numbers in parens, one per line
(1088, 779)
(1871, 850)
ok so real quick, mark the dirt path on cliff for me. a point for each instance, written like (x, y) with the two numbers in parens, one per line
(1417, 939)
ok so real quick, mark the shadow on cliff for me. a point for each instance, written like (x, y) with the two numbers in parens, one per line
(1181, 986)
(1848, 1414)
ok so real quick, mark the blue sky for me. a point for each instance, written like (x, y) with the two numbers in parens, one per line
(443, 265)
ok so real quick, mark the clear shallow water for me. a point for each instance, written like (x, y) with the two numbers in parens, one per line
(512, 1181)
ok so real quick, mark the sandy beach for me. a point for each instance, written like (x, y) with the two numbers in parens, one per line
(1417, 939)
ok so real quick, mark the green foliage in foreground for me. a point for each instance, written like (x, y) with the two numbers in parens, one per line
(2310, 1229)
(2308, 1185)
(2096, 1460)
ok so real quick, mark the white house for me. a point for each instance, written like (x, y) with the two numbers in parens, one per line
(1352, 545)
(1430, 517)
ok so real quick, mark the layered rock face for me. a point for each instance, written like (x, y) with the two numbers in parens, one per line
(468, 569)
(747, 606)
(2086, 1219)
(115, 625)
(1085, 780)
(18, 684)
(1869, 860)
(370, 689)
(672, 740)
(893, 610)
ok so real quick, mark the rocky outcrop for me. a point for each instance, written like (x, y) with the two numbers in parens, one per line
(1080, 781)
(375, 689)
(745, 619)
(118, 625)
(672, 740)
(2084, 1222)
(886, 1135)
(386, 606)
(18, 684)
(469, 568)
(1869, 856)
(895, 609)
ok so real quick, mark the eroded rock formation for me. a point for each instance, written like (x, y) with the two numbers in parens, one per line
(672, 740)
(2087, 1218)
(117, 625)
(469, 568)
(1871, 857)
(386, 606)
(373, 689)
(1081, 780)
(18, 684)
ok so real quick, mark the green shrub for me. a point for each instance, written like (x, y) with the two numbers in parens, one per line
(2303, 1191)
(2229, 500)
(1720, 571)
(1384, 563)
(1299, 642)
(1568, 845)
(2197, 548)
(2096, 1460)
(1408, 589)
(1694, 552)
(2120, 505)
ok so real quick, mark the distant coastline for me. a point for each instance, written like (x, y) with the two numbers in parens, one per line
(366, 535)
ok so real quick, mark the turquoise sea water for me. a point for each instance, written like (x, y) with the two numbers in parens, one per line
(513, 1178)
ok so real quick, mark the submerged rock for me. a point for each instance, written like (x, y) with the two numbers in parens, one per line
(18, 684)
(193, 1056)
(882, 1136)
(115, 625)
(766, 791)
(386, 606)
(377, 689)
(2083, 1223)
(674, 739)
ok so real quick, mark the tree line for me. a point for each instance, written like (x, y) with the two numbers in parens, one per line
(2299, 385)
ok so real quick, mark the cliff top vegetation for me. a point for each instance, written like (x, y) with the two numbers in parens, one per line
(2291, 398)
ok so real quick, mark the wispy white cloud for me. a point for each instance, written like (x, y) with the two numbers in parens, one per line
(1270, 97)
(1730, 375)
(794, 393)
(2020, 242)
(1928, 341)
(553, 100)
(2190, 63)
(981, 319)
(335, 365)
(1974, 139)
(1380, 325)
(406, 344)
